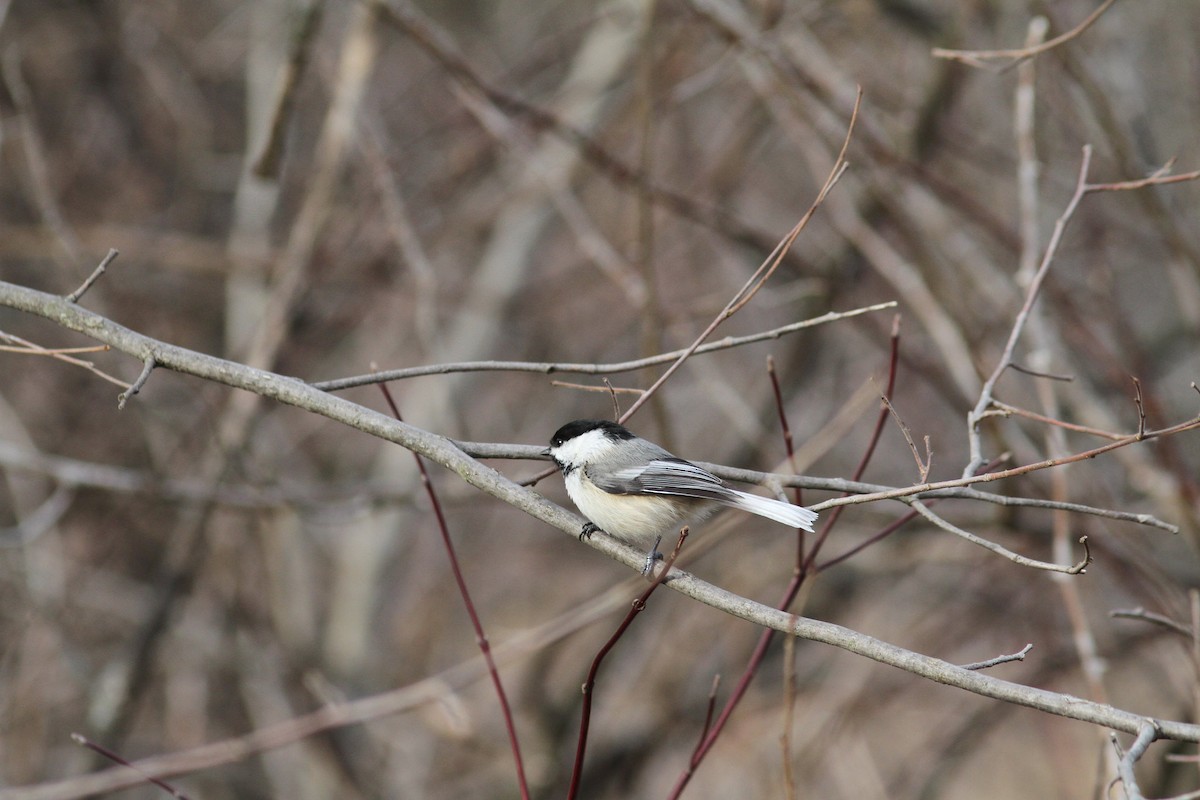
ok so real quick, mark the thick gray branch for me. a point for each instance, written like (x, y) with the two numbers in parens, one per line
(442, 451)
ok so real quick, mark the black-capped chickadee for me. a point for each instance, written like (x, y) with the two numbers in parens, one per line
(636, 491)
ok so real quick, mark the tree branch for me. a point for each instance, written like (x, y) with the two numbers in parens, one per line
(295, 392)
(548, 367)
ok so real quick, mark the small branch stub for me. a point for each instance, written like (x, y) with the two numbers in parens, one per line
(1141, 409)
(1155, 619)
(74, 296)
(1081, 567)
(147, 367)
(991, 662)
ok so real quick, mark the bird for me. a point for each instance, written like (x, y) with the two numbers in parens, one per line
(636, 491)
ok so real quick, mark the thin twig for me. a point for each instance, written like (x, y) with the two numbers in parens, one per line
(876, 434)
(549, 368)
(589, 684)
(58, 351)
(109, 754)
(34, 149)
(606, 388)
(266, 165)
(441, 48)
(1031, 295)
(1050, 376)
(1082, 188)
(789, 645)
(887, 531)
(799, 575)
(978, 58)
(789, 715)
(148, 365)
(1156, 179)
(74, 296)
(957, 488)
(1141, 409)
(708, 712)
(1078, 568)
(612, 393)
(789, 447)
(922, 466)
(296, 393)
(991, 662)
(1182, 758)
(1009, 473)
(481, 639)
(72, 473)
(765, 270)
(1007, 410)
(1153, 618)
(60, 354)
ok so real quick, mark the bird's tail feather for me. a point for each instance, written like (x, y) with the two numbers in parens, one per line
(783, 513)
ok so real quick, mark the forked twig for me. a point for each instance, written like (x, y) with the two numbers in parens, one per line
(1082, 189)
(62, 354)
(985, 477)
(1159, 178)
(1146, 736)
(979, 58)
(1031, 295)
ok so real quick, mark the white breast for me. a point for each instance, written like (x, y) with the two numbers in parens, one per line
(636, 519)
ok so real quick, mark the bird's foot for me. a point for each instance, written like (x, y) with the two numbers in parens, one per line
(588, 530)
(651, 557)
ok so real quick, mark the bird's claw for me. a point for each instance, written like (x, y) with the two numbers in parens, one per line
(588, 530)
(651, 557)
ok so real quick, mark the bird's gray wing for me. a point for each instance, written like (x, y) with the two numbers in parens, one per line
(669, 476)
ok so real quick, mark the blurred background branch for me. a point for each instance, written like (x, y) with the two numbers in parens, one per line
(315, 187)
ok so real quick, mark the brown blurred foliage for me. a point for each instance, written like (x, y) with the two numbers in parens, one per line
(589, 183)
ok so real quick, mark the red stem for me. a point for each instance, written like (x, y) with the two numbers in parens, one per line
(793, 587)
(585, 714)
(790, 447)
(480, 637)
(893, 365)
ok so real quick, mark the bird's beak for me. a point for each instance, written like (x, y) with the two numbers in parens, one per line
(546, 452)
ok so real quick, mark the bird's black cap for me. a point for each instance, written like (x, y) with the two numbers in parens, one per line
(581, 426)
